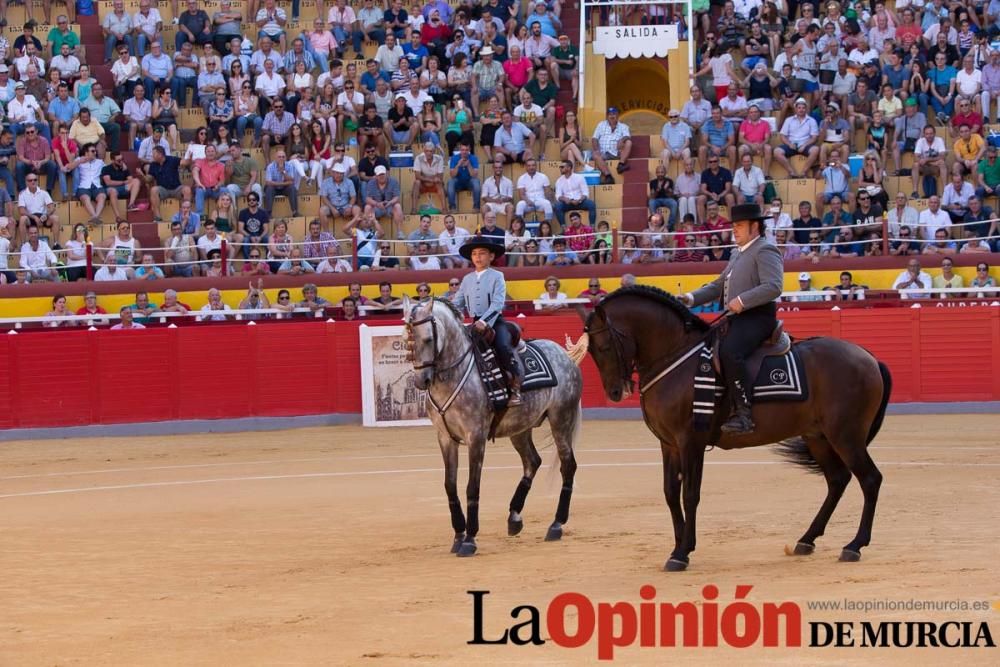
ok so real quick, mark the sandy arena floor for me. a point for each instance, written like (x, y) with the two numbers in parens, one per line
(329, 546)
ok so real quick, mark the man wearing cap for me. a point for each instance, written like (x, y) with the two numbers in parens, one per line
(24, 111)
(748, 287)
(612, 140)
(565, 57)
(805, 285)
(909, 129)
(383, 197)
(676, 138)
(798, 135)
(835, 133)
(487, 78)
(338, 197)
(482, 294)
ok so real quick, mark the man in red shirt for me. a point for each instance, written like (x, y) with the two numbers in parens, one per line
(90, 306)
(754, 135)
(579, 236)
(208, 174)
(715, 222)
(593, 292)
(966, 114)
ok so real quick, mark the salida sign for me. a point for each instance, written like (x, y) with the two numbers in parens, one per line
(635, 41)
(572, 620)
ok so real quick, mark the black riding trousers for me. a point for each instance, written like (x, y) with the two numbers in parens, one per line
(503, 345)
(746, 333)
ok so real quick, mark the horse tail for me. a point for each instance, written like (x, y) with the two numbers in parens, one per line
(797, 451)
(886, 391)
(578, 350)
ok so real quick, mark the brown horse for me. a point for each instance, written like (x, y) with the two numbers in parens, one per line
(647, 331)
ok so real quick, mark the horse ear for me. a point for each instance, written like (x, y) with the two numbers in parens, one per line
(406, 307)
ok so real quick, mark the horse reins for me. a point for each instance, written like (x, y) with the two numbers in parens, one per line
(616, 337)
(440, 371)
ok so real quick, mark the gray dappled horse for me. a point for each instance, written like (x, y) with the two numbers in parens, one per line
(444, 361)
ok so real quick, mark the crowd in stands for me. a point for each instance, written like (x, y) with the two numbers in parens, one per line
(292, 107)
(440, 82)
(909, 87)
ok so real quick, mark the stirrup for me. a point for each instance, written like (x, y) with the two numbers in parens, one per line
(515, 397)
(738, 424)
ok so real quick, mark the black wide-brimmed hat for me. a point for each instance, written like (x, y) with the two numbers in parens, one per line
(487, 242)
(746, 213)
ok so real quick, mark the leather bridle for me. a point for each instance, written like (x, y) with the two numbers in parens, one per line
(617, 343)
(419, 365)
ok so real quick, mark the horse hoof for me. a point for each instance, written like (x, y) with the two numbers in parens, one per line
(675, 565)
(457, 544)
(850, 556)
(467, 549)
(804, 549)
(554, 534)
(514, 527)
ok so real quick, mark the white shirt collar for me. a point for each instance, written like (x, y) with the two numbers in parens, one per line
(743, 248)
(479, 274)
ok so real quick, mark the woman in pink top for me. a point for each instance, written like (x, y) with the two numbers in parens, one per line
(65, 152)
(519, 72)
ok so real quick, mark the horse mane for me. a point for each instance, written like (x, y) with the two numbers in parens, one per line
(451, 307)
(664, 298)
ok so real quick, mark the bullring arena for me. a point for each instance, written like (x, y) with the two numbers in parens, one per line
(330, 545)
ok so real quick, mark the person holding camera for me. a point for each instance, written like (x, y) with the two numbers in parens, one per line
(836, 182)
(930, 153)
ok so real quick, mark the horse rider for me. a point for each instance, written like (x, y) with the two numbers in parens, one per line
(483, 293)
(748, 288)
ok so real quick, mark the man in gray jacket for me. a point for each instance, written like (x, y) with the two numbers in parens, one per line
(483, 294)
(748, 288)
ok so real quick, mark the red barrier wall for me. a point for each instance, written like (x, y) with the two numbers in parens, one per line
(218, 371)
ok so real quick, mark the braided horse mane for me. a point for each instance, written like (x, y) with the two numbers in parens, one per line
(578, 350)
(662, 297)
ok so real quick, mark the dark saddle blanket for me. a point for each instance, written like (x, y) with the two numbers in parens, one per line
(775, 368)
(781, 378)
(537, 370)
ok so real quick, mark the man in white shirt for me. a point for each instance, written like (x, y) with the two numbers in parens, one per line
(932, 219)
(67, 64)
(930, 153)
(422, 261)
(572, 194)
(497, 194)
(147, 26)
(216, 305)
(534, 190)
(30, 57)
(37, 257)
(127, 319)
(970, 82)
(111, 271)
(913, 278)
(415, 97)
(24, 110)
(89, 188)
(450, 240)
(799, 133)
(209, 241)
(749, 182)
(35, 207)
(428, 172)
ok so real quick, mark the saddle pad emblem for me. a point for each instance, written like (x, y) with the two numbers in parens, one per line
(538, 372)
(781, 378)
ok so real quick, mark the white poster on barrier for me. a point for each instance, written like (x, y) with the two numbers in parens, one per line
(389, 394)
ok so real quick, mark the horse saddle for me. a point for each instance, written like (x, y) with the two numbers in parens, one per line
(489, 335)
(778, 344)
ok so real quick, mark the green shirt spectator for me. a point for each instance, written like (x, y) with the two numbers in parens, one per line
(57, 38)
